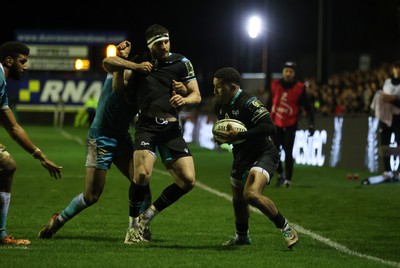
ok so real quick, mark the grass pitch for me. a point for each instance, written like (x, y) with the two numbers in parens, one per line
(340, 223)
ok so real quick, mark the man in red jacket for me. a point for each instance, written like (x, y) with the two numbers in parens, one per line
(286, 98)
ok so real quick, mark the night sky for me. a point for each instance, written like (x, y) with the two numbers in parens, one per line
(212, 34)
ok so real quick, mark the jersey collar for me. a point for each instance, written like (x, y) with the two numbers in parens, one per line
(235, 97)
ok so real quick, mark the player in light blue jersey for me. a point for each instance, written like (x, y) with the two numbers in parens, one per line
(13, 64)
(108, 142)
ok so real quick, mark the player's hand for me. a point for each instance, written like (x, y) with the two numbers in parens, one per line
(144, 67)
(228, 136)
(179, 88)
(177, 100)
(123, 49)
(232, 134)
(54, 170)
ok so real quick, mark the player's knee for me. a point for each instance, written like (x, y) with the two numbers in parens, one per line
(142, 178)
(190, 184)
(186, 183)
(91, 199)
(190, 180)
(7, 163)
(251, 197)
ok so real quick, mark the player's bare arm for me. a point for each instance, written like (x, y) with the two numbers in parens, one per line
(193, 96)
(115, 63)
(18, 134)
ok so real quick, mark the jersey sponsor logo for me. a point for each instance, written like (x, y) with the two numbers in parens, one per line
(235, 113)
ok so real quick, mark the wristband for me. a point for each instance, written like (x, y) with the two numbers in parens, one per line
(38, 154)
(34, 152)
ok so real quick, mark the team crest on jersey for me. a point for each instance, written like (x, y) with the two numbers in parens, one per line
(189, 68)
(256, 103)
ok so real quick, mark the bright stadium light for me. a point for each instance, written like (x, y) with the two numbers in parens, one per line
(82, 64)
(111, 50)
(254, 27)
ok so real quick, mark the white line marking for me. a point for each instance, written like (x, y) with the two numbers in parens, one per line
(298, 228)
(70, 137)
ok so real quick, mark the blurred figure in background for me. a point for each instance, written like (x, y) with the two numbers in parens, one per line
(85, 116)
(391, 95)
(286, 98)
(386, 104)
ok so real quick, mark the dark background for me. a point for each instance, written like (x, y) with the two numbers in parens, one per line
(322, 36)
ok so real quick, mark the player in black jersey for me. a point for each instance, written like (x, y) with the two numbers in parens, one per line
(159, 102)
(254, 160)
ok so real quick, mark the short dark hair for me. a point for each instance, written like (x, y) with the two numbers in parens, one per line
(154, 30)
(396, 64)
(13, 49)
(228, 75)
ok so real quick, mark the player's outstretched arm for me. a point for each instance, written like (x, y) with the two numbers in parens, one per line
(54, 170)
(18, 134)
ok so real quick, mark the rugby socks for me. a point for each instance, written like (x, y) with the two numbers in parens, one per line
(4, 205)
(137, 194)
(169, 196)
(279, 221)
(74, 208)
(242, 229)
(147, 199)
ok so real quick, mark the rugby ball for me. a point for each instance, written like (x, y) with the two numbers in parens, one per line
(222, 126)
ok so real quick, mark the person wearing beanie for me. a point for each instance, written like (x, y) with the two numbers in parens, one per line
(287, 96)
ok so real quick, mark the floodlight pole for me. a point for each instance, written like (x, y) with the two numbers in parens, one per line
(265, 56)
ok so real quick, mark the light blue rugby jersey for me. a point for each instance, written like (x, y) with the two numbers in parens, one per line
(3, 92)
(114, 114)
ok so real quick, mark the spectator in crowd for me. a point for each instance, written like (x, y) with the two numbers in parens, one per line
(391, 96)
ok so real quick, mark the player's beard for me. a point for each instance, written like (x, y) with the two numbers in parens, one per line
(220, 99)
(15, 73)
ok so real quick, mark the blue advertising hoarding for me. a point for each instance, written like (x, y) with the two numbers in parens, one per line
(43, 92)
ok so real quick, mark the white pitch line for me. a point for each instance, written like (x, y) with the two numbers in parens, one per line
(70, 137)
(298, 228)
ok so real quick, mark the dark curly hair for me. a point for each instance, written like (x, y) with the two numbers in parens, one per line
(13, 49)
(228, 75)
(155, 29)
